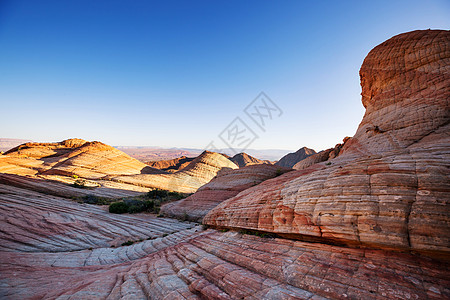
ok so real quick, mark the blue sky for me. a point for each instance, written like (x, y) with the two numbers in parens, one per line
(176, 73)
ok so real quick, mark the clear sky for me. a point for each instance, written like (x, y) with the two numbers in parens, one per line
(176, 73)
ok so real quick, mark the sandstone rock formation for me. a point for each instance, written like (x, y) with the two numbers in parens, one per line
(289, 160)
(322, 156)
(228, 183)
(389, 186)
(199, 172)
(171, 165)
(91, 160)
(243, 160)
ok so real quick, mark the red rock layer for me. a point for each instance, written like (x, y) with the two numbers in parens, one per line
(389, 186)
(228, 183)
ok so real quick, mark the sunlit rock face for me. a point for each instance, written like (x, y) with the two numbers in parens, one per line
(228, 183)
(243, 160)
(389, 185)
(199, 172)
(92, 160)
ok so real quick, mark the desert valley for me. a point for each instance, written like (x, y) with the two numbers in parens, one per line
(367, 219)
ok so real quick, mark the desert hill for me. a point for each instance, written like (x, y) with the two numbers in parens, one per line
(197, 173)
(243, 160)
(91, 160)
(290, 159)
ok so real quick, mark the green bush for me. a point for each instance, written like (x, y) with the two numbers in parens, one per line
(132, 209)
(278, 172)
(118, 208)
(80, 183)
(157, 193)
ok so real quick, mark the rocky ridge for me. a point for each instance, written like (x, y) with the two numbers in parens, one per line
(290, 159)
(388, 187)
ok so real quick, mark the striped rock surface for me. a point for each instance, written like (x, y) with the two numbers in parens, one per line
(389, 187)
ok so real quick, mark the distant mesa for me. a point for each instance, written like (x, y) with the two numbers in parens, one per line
(289, 160)
(243, 160)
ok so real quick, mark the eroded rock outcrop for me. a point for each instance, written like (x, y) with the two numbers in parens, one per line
(290, 159)
(228, 183)
(243, 160)
(389, 185)
(199, 172)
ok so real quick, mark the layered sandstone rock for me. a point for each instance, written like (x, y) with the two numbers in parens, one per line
(228, 183)
(91, 160)
(290, 159)
(171, 165)
(199, 172)
(389, 186)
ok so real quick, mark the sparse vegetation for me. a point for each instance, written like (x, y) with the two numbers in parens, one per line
(278, 172)
(118, 208)
(75, 176)
(129, 243)
(150, 202)
(257, 233)
(93, 199)
(80, 183)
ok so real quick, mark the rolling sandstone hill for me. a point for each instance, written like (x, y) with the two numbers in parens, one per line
(368, 222)
(106, 166)
(197, 173)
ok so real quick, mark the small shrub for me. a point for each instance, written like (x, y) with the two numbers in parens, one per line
(75, 176)
(165, 234)
(133, 209)
(129, 243)
(118, 208)
(278, 172)
(225, 230)
(157, 193)
(328, 163)
(80, 183)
